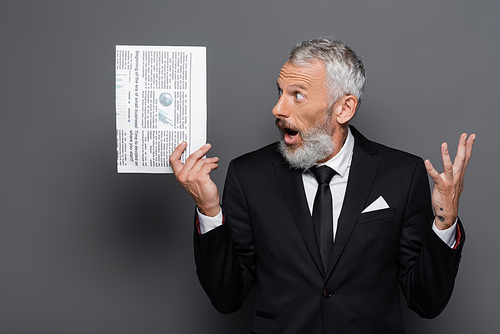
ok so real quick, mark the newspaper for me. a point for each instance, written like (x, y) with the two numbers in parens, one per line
(160, 102)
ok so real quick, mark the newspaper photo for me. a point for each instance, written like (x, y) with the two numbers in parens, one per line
(160, 102)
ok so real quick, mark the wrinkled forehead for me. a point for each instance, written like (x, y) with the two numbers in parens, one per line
(308, 74)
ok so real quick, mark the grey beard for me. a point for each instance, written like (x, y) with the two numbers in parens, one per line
(316, 145)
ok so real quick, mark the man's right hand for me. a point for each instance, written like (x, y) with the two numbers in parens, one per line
(194, 176)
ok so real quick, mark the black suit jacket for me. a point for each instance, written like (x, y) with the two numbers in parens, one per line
(268, 239)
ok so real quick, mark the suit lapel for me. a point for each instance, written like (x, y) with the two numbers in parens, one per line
(364, 167)
(292, 187)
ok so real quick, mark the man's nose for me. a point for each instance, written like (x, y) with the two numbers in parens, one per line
(280, 110)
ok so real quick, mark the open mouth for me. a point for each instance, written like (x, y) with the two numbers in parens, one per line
(292, 133)
(285, 128)
(288, 132)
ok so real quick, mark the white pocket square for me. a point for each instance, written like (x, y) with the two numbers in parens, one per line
(378, 204)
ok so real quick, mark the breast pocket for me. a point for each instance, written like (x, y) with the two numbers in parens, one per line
(378, 215)
(262, 323)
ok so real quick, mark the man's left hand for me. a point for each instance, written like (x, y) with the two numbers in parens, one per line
(448, 186)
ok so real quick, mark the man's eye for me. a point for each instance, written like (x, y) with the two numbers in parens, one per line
(280, 92)
(299, 96)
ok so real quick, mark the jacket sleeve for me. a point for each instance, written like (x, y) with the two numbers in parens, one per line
(427, 267)
(225, 256)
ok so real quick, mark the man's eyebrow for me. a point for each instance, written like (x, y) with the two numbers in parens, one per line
(298, 86)
(294, 86)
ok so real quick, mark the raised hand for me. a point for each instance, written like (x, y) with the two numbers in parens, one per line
(448, 186)
(194, 176)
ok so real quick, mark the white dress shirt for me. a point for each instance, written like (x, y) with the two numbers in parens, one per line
(341, 163)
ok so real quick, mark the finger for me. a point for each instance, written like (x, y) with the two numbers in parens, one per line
(468, 148)
(433, 173)
(195, 156)
(468, 144)
(208, 167)
(460, 157)
(201, 164)
(459, 162)
(447, 165)
(175, 158)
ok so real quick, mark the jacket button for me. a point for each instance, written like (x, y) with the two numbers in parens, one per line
(326, 294)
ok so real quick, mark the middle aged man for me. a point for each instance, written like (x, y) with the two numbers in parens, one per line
(326, 246)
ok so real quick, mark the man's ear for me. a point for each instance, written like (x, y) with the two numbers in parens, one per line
(345, 108)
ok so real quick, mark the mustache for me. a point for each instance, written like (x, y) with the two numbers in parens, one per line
(285, 126)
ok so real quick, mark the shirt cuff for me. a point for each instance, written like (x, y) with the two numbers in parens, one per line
(449, 236)
(206, 223)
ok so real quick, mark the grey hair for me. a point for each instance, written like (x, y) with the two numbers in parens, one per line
(345, 73)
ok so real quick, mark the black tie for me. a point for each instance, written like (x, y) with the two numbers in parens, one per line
(322, 215)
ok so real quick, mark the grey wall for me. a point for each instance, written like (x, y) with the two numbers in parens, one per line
(85, 250)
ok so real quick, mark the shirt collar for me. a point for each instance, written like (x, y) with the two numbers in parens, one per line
(342, 160)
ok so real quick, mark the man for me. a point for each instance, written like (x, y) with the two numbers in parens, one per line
(326, 255)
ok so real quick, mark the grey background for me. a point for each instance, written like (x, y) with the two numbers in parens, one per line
(86, 250)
